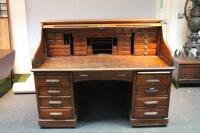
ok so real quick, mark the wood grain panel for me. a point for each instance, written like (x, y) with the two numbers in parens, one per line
(56, 45)
(54, 91)
(151, 101)
(153, 79)
(145, 42)
(103, 62)
(120, 76)
(150, 113)
(190, 72)
(56, 114)
(148, 91)
(80, 45)
(124, 45)
(53, 81)
(142, 52)
(55, 102)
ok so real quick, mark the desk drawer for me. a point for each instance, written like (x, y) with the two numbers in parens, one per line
(151, 101)
(53, 81)
(190, 72)
(150, 113)
(152, 90)
(54, 91)
(122, 76)
(153, 78)
(56, 114)
(56, 102)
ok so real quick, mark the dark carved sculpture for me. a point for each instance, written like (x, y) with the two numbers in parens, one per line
(193, 20)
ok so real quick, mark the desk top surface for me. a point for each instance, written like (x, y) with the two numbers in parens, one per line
(103, 63)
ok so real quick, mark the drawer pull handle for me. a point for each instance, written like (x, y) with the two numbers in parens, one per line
(151, 90)
(151, 102)
(55, 103)
(153, 81)
(52, 80)
(54, 92)
(150, 113)
(121, 75)
(84, 75)
(55, 115)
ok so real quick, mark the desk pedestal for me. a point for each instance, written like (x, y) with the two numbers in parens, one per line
(57, 103)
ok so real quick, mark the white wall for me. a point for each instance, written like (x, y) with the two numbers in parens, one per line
(19, 36)
(176, 29)
(41, 10)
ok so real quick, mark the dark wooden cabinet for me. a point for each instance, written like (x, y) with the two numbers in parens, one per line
(187, 71)
(131, 51)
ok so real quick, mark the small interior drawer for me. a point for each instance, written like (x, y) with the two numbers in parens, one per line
(56, 114)
(56, 102)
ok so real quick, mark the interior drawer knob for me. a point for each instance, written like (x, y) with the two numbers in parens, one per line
(52, 80)
(150, 113)
(151, 102)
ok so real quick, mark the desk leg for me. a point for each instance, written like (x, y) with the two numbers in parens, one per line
(12, 77)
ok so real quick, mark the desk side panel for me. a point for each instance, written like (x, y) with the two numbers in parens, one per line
(40, 55)
(163, 50)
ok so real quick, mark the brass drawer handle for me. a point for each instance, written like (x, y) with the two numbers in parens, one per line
(55, 115)
(151, 102)
(83, 75)
(151, 90)
(55, 103)
(150, 113)
(52, 80)
(54, 92)
(153, 81)
(121, 75)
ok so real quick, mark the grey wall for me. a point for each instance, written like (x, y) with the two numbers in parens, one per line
(41, 10)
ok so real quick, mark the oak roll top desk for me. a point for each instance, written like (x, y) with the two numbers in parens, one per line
(126, 50)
